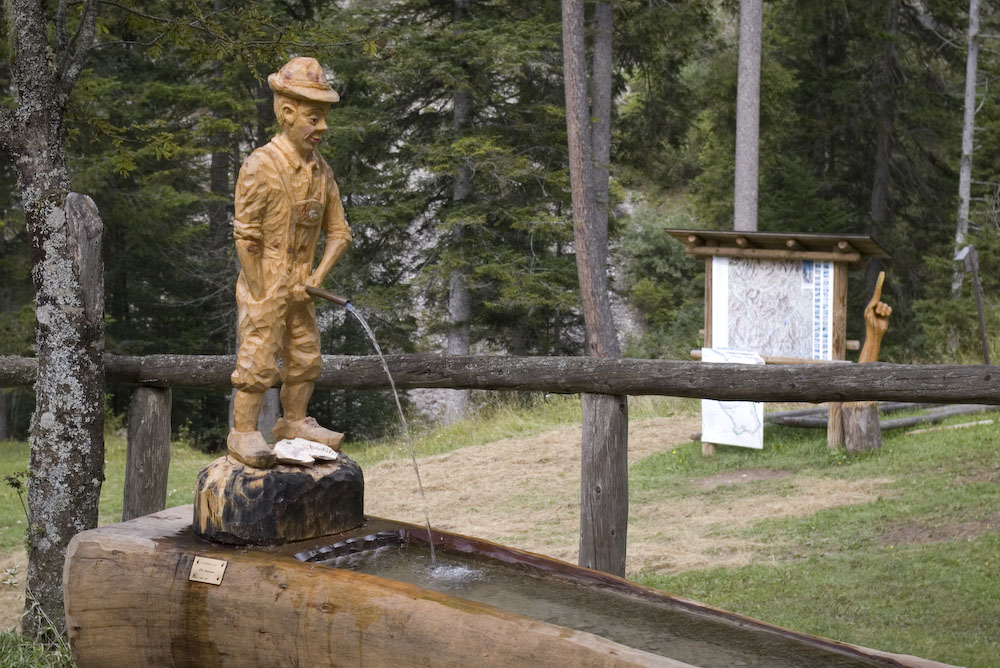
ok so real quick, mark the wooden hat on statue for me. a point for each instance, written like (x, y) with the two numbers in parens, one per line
(303, 79)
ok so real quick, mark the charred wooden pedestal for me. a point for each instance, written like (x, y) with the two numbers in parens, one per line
(240, 505)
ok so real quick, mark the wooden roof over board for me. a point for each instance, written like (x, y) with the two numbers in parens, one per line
(780, 245)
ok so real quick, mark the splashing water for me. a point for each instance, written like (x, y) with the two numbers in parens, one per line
(406, 429)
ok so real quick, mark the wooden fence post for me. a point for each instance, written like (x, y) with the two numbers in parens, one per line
(604, 483)
(147, 459)
(835, 419)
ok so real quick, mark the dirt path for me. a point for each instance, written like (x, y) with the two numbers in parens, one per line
(525, 493)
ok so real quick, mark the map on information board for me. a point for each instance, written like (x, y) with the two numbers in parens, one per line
(780, 309)
(732, 422)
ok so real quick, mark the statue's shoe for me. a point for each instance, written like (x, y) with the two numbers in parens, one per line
(250, 448)
(308, 429)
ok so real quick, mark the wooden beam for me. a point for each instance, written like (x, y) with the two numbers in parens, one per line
(845, 247)
(695, 240)
(18, 371)
(773, 254)
(937, 383)
(793, 244)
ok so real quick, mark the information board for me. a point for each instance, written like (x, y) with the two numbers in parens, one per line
(779, 309)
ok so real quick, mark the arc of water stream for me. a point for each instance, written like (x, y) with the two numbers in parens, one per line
(317, 292)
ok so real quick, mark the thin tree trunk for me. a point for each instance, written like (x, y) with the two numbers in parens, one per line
(968, 125)
(265, 114)
(459, 312)
(746, 177)
(220, 204)
(604, 447)
(4, 430)
(885, 108)
(600, 114)
(885, 100)
(459, 299)
(587, 229)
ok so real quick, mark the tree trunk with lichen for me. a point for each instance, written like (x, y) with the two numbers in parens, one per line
(67, 446)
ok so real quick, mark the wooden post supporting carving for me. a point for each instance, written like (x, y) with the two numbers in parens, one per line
(861, 426)
(860, 418)
(708, 449)
(147, 458)
(834, 423)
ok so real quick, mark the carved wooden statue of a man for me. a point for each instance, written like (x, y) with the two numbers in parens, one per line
(286, 199)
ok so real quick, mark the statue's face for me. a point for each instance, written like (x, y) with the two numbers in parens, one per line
(307, 125)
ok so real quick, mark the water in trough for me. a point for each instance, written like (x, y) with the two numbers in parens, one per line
(653, 626)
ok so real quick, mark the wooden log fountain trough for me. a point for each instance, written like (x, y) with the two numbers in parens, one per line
(150, 592)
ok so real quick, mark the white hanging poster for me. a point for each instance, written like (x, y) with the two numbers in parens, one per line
(732, 422)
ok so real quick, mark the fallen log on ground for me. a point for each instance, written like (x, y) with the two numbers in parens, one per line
(788, 418)
(816, 421)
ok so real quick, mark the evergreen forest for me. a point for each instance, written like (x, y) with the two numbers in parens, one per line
(449, 147)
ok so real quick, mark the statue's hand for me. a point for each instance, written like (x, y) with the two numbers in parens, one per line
(299, 293)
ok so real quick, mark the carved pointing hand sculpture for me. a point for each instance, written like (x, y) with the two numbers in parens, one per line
(876, 323)
(286, 200)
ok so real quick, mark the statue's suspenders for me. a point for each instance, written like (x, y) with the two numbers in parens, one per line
(275, 156)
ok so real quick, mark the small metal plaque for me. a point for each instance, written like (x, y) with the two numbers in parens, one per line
(209, 571)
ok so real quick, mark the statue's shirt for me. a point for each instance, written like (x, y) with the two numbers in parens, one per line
(283, 203)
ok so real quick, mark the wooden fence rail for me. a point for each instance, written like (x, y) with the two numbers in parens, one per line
(149, 415)
(932, 383)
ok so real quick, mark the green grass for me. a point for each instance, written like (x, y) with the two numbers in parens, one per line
(16, 652)
(916, 571)
(936, 600)
(185, 462)
(13, 462)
